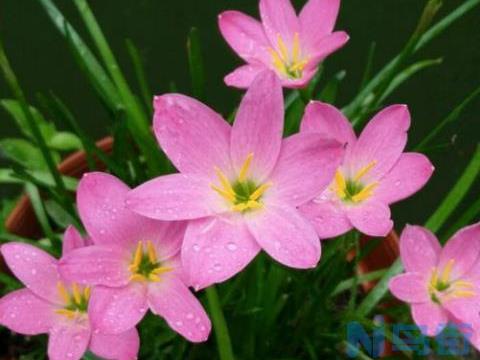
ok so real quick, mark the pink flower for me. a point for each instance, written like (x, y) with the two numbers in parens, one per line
(375, 172)
(133, 263)
(239, 185)
(52, 305)
(289, 45)
(441, 285)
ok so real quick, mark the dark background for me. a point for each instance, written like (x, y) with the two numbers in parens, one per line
(160, 27)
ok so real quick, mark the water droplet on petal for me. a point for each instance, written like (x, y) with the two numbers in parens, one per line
(232, 246)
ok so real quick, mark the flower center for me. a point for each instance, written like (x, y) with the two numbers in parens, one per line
(243, 194)
(442, 288)
(353, 189)
(75, 299)
(289, 63)
(145, 265)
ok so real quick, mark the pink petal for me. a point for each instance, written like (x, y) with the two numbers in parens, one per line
(307, 75)
(182, 126)
(215, 249)
(303, 154)
(317, 19)
(279, 19)
(465, 309)
(168, 243)
(23, 312)
(285, 235)
(382, 141)
(243, 76)
(72, 240)
(172, 300)
(97, 265)
(116, 310)
(68, 340)
(102, 205)
(410, 287)
(430, 317)
(327, 120)
(419, 249)
(245, 36)
(328, 218)
(371, 218)
(464, 249)
(35, 268)
(325, 47)
(123, 346)
(409, 175)
(176, 197)
(258, 126)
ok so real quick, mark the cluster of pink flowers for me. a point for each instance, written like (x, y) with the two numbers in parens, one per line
(240, 189)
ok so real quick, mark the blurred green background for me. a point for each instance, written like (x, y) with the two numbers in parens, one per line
(160, 27)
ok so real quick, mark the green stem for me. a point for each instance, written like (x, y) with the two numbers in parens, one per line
(220, 326)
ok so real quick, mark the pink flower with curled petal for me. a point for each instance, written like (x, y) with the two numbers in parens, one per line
(374, 174)
(292, 46)
(441, 285)
(53, 305)
(240, 186)
(133, 264)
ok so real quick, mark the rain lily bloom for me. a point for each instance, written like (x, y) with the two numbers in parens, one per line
(441, 285)
(375, 172)
(238, 185)
(52, 305)
(133, 262)
(292, 46)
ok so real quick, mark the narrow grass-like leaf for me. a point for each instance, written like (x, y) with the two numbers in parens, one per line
(23, 152)
(434, 223)
(470, 215)
(7, 176)
(195, 61)
(367, 73)
(222, 335)
(40, 213)
(347, 284)
(140, 75)
(330, 91)
(453, 116)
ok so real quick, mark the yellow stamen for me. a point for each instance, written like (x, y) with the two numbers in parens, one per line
(341, 184)
(277, 61)
(464, 284)
(224, 181)
(77, 295)
(228, 196)
(240, 207)
(365, 193)
(283, 48)
(260, 191)
(299, 66)
(296, 48)
(137, 277)
(434, 280)
(152, 254)
(463, 294)
(161, 270)
(137, 258)
(68, 313)
(86, 293)
(245, 167)
(63, 292)
(153, 277)
(447, 271)
(363, 171)
(251, 204)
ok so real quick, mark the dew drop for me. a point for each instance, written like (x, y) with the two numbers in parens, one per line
(196, 247)
(232, 246)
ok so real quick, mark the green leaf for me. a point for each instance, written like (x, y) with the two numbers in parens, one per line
(195, 62)
(330, 91)
(65, 141)
(61, 217)
(222, 335)
(8, 176)
(23, 153)
(40, 213)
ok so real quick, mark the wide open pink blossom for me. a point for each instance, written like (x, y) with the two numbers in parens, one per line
(52, 305)
(239, 185)
(133, 264)
(374, 174)
(441, 285)
(292, 46)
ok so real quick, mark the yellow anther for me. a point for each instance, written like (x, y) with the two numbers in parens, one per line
(227, 195)
(363, 171)
(365, 193)
(282, 48)
(464, 284)
(341, 184)
(68, 313)
(161, 270)
(137, 277)
(463, 294)
(137, 258)
(152, 254)
(245, 167)
(260, 191)
(77, 295)
(63, 292)
(240, 207)
(434, 279)
(447, 271)
(298, 66)
(277, 61)
(86, 293)
(251, 204)
(153, 277)
(224, 181)
(296, 48)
